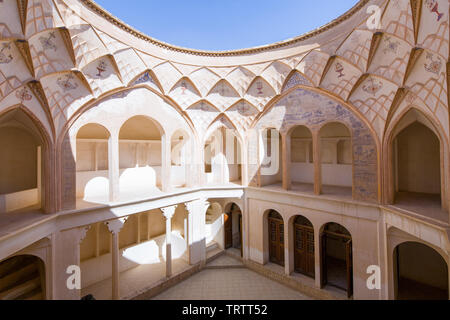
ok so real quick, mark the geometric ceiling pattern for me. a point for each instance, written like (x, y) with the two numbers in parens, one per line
(58, 55)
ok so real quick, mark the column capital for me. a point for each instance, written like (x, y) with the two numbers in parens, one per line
(168, 212)
(114, 226)
(82, 232)
(200, 204)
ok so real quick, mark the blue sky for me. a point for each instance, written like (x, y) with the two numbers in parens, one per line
(225, 24)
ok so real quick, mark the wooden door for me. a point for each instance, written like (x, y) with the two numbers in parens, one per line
(228, 230)
(276, 241)
(349, 258)
(304, 250)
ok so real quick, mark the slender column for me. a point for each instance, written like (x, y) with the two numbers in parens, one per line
(166, 164)
(114, 227)
(196, 230)
(168, 214)
(317, 164)
(113, 167)
(244, 163)
(286, 158)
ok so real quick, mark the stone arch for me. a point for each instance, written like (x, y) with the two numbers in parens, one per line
(27, 163)
(24, 278)
(396, 136)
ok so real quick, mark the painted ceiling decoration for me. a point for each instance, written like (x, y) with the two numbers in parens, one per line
(56, 56)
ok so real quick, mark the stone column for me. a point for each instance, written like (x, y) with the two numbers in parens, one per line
(166, 163)
(317, 163)
(114, 227)
(113, 167)
(286, 159)
(168, 214)
(196, 233)
(66, 254)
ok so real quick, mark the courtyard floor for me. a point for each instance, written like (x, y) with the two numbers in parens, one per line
(226, 278)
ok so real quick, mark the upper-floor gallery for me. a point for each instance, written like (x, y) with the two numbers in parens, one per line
(96, 115)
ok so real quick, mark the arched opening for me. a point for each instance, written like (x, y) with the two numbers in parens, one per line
(233, 228)
(215, 227)
(337, 257)
(21, 163)
(140, 158)
(276, 238)
(223, 158)
(180, 155)
(302, 160)
(22, 278)
(420, 273)
(271, 155)
(304, 258)
(336, 159)
(92, 163)
(416, 155)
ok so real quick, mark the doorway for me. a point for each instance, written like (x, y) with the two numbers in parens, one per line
(337, 258)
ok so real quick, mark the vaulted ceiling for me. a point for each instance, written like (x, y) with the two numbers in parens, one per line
(58, 55)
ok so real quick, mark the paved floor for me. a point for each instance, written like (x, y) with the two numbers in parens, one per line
(229, 284)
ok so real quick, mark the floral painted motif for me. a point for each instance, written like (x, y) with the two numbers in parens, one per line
(5, 56)
(67, 83)
(259, 87)
(372, 86)
(47, 42)
(433, 6)
(146, 77)
(434, 65)
(339, 69)
(23, 94)
(391, 46)
(101, 67)
(183, 87)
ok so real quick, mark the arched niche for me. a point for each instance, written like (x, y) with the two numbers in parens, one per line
(233, 227)
(140, 157)
(301, 158)
(181, 156)
(23, 157)
(336, 159)
(420, 273)
(92, 163)
(223, 157)
(417, 171)
(270, 155)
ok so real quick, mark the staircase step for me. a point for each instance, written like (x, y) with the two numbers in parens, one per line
(13, 264)
(18, 276)
(36, 296)
(212, 246)
(20, 290)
